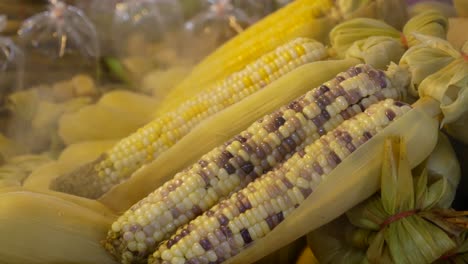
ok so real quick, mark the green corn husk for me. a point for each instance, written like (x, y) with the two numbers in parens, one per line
(355, 31)
(450, 87)
(424, 237)
(460, 255)
(345, 34)
(432, 23)
(444, 74)
(443, 163)
(446, 9)
(376, 51)
(426, 58)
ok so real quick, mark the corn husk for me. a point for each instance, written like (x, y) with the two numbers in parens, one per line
(345, 34)
(444, 8)
(442, 73)
(426, 58)
(39, 228)
(417, 238)
(342, 242)
(443, 163)
(461, 6)
(432, 23)
(17, 169)
(333, 243)
(393, 12)
(460, 254)
(116, 115)
(376, 51)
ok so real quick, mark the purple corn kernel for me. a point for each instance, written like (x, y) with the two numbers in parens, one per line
(184, 232)
(280, 217)
(203, 163)
(279, 121)
(334, 157)
(305, 191)
(367, 135)
(222, 219)
(325, 114)
(270, 223)
(206, 244)
(295, 106)
(196, 210)
(170, 243)
(350, 146)
(340, 78)
(240, 138)
(390, 114)
(399, 104)
(246, 236)
(346, 137)
(246, 146)
(247, 167)
(317, 168)
(226, 231)
(345, 114)
(287, 183)
(204, 173)
(229, 168)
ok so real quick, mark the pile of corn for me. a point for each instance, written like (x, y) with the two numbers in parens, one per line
(297, 138)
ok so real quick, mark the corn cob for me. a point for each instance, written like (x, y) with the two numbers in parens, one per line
(254, 151)
(235, 223)
(302, 18)
(219, 128)
(156, 137)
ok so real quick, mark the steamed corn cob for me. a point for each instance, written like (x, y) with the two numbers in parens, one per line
(219, 128)
(156, 137)
(259, 148)
(247, 215)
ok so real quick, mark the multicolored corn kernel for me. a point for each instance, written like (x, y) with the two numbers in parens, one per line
(150, 141)
(251, 213)
(230, 167)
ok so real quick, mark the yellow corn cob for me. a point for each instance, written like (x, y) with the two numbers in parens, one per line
(302, 18)
(156, 137)
(260, 147)
(250, 214)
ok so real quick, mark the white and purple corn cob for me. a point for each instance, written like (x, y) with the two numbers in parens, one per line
(251, 213)
(230, 167)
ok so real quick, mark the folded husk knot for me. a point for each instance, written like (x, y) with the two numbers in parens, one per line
(441, 72)
(402, 224)
(393, 12)
(372, 40)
